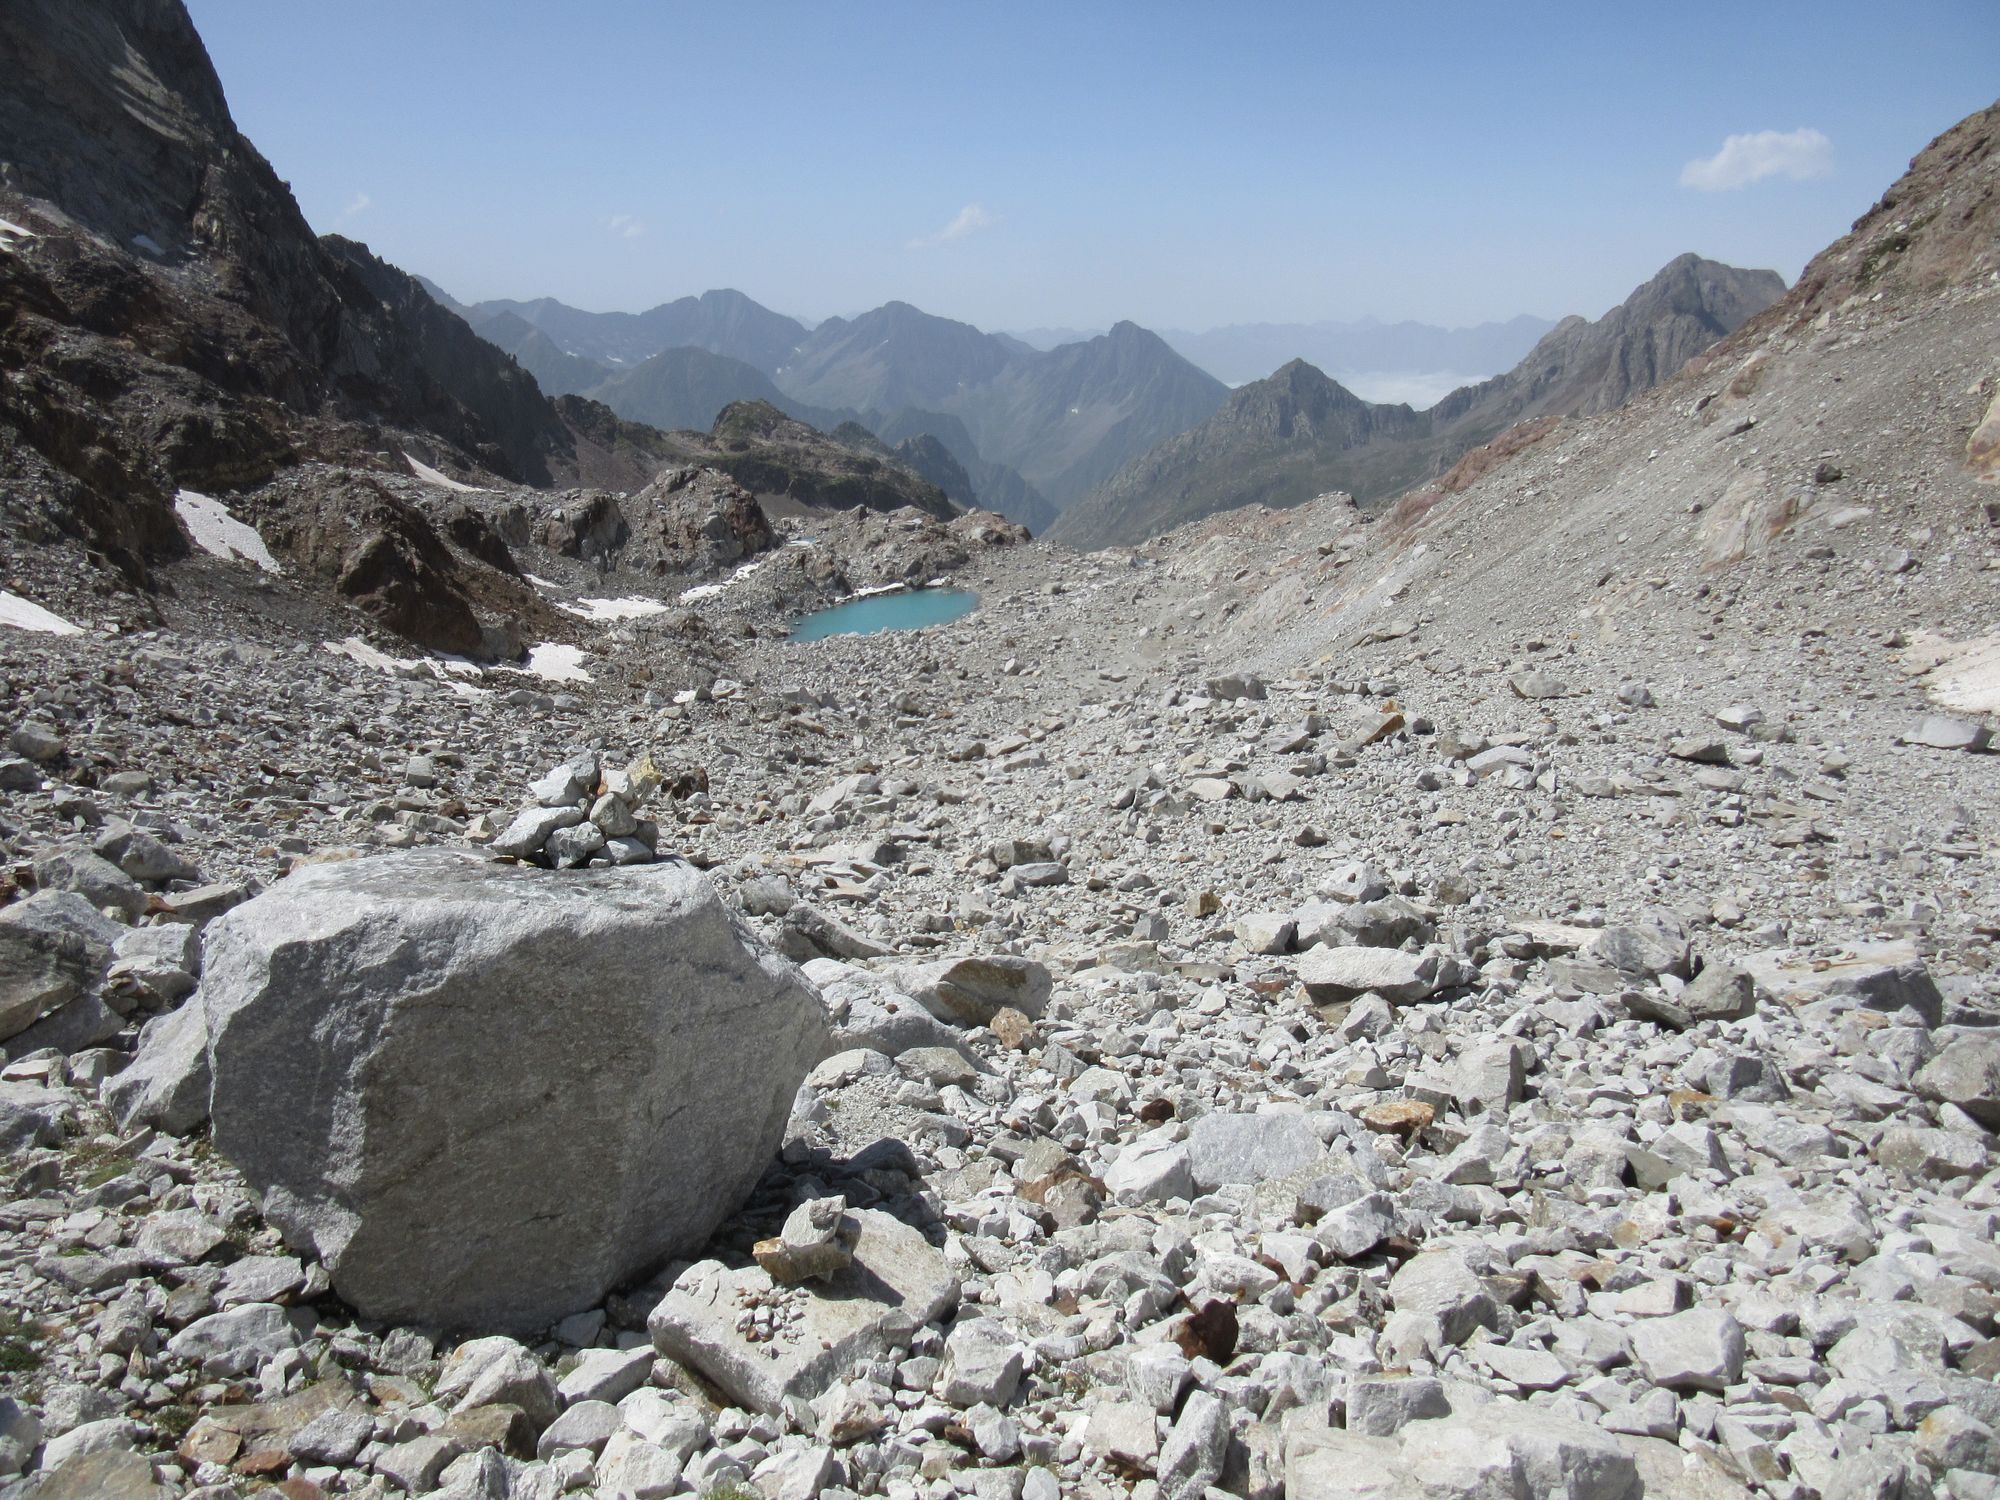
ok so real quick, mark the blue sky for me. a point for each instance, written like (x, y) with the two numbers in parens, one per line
(1025, 165)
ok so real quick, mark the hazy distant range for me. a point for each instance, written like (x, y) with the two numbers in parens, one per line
(1414, 362)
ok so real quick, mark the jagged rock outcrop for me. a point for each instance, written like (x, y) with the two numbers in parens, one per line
(1582, 368)
(1936, 229)
(385, 553)
(784, 461)
(687, 520)
(169, 319)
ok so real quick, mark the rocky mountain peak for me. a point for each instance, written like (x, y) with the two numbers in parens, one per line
(1125, 331)
(1298, 433)
(743, 420)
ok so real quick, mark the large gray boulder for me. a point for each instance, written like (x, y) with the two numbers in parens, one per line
(167, 1082)
(54, 946)
(1965, 1072)
(484, 1094)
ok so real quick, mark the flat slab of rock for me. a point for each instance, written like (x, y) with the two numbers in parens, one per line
(866, 1010)
(817, 1332)
(484, 1094)
(1935, 732)
(1965, 1072)
(167, 1082)
(1701, 1349)
(108, 1474)
(1150, 1170)
(31, 1115)
(972, 990)
(1251, 1148)
(1506, 1449)
(1343, 973)
(1876, 976)
(53, 946)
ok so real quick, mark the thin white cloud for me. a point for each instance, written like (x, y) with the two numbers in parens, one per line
(360, 203)
(970, 220)
(625, 226)
(1744, 159)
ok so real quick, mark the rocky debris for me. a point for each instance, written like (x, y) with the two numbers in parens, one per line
(1221, 1162)
(651, 1049)
(1675, 1157)
(586, 813)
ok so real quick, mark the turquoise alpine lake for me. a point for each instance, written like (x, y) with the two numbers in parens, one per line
(911, 609)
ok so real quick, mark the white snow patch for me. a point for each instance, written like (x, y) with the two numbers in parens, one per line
(710, 590)
(554, 662)
(876, 592)
(25, 614)
(429, 475)
(220, 534)
(446, 669)
(1961, 675)
(361, 653)
(148, 244)
(540, 583)
(603, 610)
(11, 233)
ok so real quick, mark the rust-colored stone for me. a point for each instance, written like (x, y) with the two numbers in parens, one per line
(1404, 1117)
(1209, 1332)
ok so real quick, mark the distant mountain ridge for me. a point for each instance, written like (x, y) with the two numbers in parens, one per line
(893, 357)
(1243, 352)
(1064, 419)
(687, 387)
(723, 321)
(1297, 433)
(684, 387)
(1034, 429)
